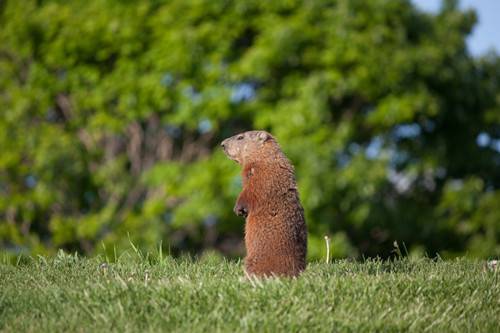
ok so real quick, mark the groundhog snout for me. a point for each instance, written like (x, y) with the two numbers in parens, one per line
(225, 146)
(240, 210)
(230, 150)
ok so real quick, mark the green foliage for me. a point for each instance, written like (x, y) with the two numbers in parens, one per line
(112, 112)
(154, 293)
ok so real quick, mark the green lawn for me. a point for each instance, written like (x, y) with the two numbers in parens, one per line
(141, 294)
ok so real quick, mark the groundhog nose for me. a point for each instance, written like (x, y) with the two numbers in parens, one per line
(223, 144)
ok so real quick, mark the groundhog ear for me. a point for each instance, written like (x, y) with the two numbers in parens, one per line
(263, 136)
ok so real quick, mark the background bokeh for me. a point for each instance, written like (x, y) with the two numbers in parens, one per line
(112, 113)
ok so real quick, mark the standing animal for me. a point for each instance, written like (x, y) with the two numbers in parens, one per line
(275, 228)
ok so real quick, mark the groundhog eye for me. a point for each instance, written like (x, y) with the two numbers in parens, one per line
(240, 137)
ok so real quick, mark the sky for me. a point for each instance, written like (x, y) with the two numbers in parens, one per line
(486, 34)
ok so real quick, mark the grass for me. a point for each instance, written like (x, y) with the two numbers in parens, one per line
(141, 294)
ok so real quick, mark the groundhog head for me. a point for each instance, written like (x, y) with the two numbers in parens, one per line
(244, 146)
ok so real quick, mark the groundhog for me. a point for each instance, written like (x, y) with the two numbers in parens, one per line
(275, 228)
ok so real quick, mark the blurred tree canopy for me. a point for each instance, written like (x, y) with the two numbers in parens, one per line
(112, 113)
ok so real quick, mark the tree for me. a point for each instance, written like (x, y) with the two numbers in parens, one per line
(112, 112)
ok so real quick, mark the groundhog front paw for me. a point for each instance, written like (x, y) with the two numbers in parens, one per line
(240, 210)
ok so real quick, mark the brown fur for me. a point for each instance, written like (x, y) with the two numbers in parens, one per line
(275, 229)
